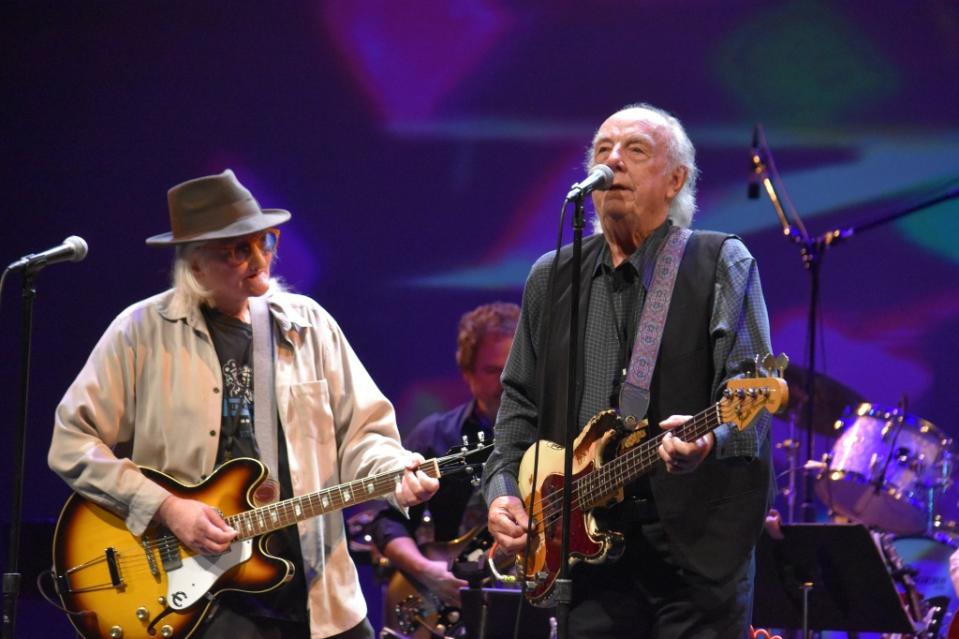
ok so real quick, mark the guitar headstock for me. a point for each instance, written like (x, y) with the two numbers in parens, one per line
(467, 458)
(745, 397)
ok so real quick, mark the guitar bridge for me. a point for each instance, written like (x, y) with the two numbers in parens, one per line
(64, 584)
(113, 567)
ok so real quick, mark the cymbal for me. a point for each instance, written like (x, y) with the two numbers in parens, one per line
(831, 399)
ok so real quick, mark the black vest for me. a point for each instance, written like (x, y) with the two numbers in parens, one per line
(714, 515)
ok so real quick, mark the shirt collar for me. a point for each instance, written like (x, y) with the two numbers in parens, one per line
(174, 307)
(605, 261)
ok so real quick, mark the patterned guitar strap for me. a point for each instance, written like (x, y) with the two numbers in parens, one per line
(634, 393)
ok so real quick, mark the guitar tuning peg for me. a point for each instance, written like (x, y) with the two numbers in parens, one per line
(481, 436)
(466, 441)
(769, 364)
(475, 481)
(782, 361)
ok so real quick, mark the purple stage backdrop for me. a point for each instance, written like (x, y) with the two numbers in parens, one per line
(424, 148)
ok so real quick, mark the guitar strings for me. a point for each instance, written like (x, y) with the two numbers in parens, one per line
(133, 559)
(598, 482)
(583, 490)
(285, 512)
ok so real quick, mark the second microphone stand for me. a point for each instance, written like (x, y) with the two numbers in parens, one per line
(812, 249)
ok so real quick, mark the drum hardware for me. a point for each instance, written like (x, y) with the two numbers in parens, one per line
(904, 576)
(921, 565)
(902, 454)
(791, 446)
(886, 470)
(829, 398)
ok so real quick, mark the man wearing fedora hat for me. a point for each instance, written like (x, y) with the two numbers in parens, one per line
(170, 386)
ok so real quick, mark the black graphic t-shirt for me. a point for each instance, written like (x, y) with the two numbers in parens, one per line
(233, 341)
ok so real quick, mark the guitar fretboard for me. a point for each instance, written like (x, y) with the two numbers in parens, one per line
(281, 514)
(603, 483)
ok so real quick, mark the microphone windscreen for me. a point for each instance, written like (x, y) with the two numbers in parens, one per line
(79, 247)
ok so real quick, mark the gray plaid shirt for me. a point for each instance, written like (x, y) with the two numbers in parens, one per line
(739, 330)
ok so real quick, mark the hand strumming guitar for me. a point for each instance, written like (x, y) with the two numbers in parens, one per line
(202, 529)
(198, 526)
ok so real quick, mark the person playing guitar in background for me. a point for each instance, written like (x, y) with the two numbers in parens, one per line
(169, 386)
(691, 525)
(484, 338)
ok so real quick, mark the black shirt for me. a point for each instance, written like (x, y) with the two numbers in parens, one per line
(233, 341)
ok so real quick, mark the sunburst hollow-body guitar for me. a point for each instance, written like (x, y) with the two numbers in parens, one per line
(116, 584)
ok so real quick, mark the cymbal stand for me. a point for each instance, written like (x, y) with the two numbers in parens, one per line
(812, 249)
(937, 489)
(791, 446)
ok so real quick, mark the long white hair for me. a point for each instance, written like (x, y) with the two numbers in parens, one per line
(187, 290)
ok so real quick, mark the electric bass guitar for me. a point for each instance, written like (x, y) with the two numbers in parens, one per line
(115, 584)
(608, 454)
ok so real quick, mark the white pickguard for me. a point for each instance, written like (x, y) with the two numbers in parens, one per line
(198, 573)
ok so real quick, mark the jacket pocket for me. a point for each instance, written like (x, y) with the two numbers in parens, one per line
(309, 414)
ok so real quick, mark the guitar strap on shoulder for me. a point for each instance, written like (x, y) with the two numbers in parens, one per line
(264, 397)
(634, 393)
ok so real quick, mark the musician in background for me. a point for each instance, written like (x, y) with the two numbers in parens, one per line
(692, 525)
(483, 342)
(169, 386)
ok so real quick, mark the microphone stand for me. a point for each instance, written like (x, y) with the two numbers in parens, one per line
(11, 578)
(812, 250)
(564, 584)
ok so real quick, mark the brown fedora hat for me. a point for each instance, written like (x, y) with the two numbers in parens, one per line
(214, 207)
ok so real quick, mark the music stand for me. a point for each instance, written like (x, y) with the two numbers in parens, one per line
(852, 589)
(490, 613)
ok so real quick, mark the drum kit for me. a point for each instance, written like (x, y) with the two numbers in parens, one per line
(890, 471)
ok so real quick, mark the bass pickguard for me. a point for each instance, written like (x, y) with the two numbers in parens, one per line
(588, 542)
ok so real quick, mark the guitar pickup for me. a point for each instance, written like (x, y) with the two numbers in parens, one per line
(169, 549)
(111, 556)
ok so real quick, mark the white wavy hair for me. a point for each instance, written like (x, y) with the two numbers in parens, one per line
(188, 291)
(680, 152)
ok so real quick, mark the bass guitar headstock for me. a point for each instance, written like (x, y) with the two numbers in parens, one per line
(766, 389)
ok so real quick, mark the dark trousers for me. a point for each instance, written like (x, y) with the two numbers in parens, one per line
(648, 594)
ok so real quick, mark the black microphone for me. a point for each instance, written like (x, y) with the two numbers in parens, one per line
(72, 249)
(599, 179)
(752, 191)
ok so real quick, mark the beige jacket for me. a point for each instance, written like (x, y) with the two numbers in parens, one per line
(150, 394)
